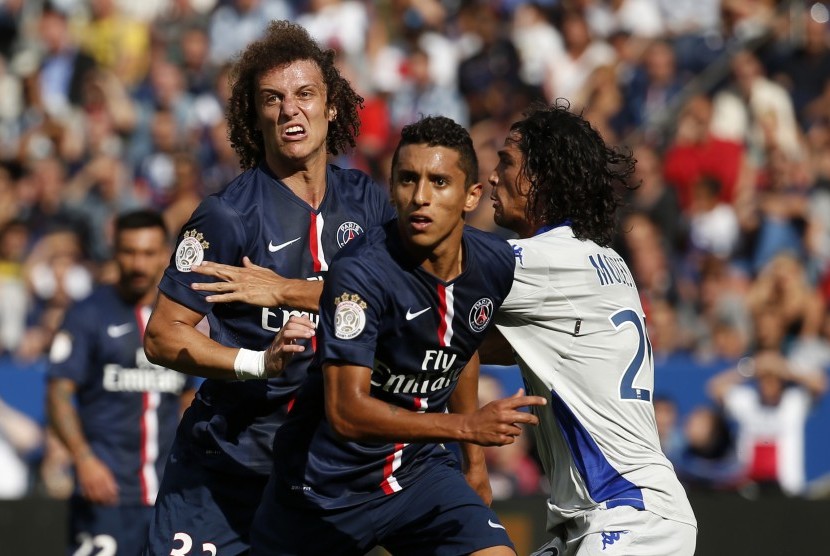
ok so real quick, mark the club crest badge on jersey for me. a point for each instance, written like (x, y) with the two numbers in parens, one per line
(480, 314)
(347, 232)
(349, 317)
(191, 250)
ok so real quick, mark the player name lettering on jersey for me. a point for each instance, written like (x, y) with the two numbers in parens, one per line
(275, 318)
(611, 270)
(416, 383)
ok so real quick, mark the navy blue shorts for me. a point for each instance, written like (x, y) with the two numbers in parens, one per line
(202, 512)
(440, 515)
(107, 530)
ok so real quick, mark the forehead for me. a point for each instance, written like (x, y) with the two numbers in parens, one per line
(424, 158)
(294, 74)
(141, 237)
(511, 144)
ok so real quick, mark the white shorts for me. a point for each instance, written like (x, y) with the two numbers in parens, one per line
(623, 531)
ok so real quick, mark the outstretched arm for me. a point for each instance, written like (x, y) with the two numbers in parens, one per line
(355, 415)
(171, 340)
(256, 285)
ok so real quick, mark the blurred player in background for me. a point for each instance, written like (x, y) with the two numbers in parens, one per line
(114, 410)
(282, 220)
(577, 330)
(402, 313)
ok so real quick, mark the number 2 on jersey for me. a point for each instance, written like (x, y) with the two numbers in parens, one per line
(627, 389)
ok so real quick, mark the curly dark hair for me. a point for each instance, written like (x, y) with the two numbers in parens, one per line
(440, 131)
(573, 174)
(285, 42)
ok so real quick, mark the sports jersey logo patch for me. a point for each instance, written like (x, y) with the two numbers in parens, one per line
(347, 232)
(349, 317)
(480, 314)
(191, 250)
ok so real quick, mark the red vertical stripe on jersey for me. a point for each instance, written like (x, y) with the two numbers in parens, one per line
(148, 427)
(393, 462)
(315, 243)
(446, 312)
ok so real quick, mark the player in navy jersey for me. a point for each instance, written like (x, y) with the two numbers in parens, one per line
(286, 216)
(114, 410)
(402, 312)
(577, 330)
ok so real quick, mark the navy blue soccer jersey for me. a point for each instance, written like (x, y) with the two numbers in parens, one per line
(128, 407)
(416, 333)
(231, 423)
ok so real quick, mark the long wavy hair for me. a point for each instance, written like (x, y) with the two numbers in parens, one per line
(574, 176)
(285, 42)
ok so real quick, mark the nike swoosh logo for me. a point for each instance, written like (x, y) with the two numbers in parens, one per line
(494, 525)
(118, 330)
(274, 248)
(410, 315)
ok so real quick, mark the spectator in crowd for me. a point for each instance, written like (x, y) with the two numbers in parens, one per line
(20, 437)
(769, 402)
(707, 459)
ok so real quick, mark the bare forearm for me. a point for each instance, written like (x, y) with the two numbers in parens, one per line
(181, 347)
(372, 420)
(302, 294)
(464, 401)
(64, 419)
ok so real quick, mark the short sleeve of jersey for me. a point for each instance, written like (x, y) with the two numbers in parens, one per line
(69, 356)
(214, 233)
(351, 306)
(530, 276)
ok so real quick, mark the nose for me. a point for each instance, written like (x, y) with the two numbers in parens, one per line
(289, 106)
(494, 182)
(421, 196)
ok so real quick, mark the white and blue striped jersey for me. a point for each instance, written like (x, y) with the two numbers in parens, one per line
(576, 325)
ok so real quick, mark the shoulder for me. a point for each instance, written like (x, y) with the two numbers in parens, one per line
(365, 250)
(479, 239)
(350, 177)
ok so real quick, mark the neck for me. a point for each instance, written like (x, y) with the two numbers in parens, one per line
(306, 180)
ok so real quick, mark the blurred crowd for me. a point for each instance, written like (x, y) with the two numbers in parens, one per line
(108, 105)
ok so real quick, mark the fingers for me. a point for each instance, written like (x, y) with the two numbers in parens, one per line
(246, 262)
(516, 401)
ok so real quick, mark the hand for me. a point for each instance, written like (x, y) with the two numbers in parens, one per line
(96, 481)
(249, 283)
(285, 345)
(498, 422)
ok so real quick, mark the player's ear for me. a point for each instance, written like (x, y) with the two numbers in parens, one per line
(473, 197)
(332, 113)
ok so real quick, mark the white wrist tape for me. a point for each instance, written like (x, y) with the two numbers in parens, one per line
(249, 364)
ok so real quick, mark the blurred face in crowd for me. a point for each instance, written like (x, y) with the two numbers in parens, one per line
(510, 188)
(292, 114)
(141, 255)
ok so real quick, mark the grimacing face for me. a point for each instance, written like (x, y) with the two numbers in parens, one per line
(510, 187)
(430, 194)
(292, 113)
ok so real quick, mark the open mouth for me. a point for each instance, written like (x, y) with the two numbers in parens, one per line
(295, 131)
(420, 223)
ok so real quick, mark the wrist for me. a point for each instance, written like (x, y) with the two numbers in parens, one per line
(249, 364)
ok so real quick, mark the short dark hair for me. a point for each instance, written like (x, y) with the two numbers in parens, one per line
(283, 43)
(139, 219)
(440, 131)
(573, 174)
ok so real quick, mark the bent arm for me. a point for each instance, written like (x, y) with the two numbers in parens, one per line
(172, 340)
(357, 416)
